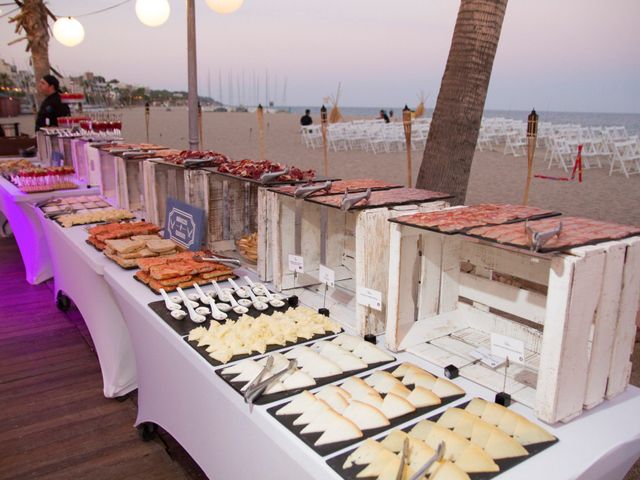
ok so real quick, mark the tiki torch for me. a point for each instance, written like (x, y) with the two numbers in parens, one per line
(532, 136)
(146, 119)
(260, 112)
(323, 121)
(406, 122)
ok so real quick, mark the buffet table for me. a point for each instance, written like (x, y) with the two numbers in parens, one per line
(179, 391)
(78, 273)
(17, 208)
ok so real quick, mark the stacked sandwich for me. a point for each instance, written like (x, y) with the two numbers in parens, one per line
(180, 270)
(126, 251)
(475, 439)
(342, 413)
(98, 235)
(251, 335)
(318, 363)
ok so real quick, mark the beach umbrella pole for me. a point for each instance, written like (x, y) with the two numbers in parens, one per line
(147, 113)
(532, 136)
(260, 113)
(192, 75)
(323, 122)
(406, 122)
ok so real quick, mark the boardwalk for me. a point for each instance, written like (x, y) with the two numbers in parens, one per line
(54, 420)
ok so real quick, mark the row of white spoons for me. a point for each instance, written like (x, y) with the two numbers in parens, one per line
(251, 295)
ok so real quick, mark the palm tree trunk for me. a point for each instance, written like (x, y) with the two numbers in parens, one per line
(446, 163)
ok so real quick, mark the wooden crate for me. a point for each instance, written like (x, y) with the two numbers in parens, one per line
(357, 246)
(122, 181)
(575, 312)
(86, 161)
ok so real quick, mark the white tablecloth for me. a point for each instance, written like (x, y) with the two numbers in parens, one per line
(179, 391)
(16, 207)
(78, 272)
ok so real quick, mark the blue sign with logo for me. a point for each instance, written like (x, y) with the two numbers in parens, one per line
(184, 224)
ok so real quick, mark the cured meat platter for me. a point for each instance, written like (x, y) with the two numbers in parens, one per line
(384, 198)
(341, 186)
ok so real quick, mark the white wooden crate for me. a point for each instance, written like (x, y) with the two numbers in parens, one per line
(122, 182)
(357, 249)
(574, 311)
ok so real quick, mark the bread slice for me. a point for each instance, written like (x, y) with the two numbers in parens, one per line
(365, 416)
(125, 245)
(161, 245)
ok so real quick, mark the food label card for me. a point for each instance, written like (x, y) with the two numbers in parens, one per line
(327, 276)
(507, 347)
(185, 224)
(484, 355)
(296, 263)
(370, 298)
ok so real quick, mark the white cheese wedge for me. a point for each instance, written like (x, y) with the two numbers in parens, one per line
(275, 387)
(364, 454)
(401, 370)
(473, 459)
(413, 373)
(400, 390)
(390, 471)
(394, 406)
(365, 416)
(476, 406)
(445, 388)
(495, 442)
(238, 368)
(460, 421)
(339, 429)
(346, 361)
(381, 376)
(509, 421)
(335, 389)
(315, 409)
(493, 413)
(421, 397)
(222, 355)
(371, 354)
(346, 341)
(448, 471)
(373, 398)
(432, 434)
(280, 362)
(320, 423)
(379, 464)
(321, 367)
(356, 386)
(250, 370)
(395, 440)
(196, 333)
(528, 433)
(333, 398)
(297, 379)
(298, 404)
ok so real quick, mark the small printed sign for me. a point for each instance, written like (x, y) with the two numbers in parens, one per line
(507, 347)
(484, 355)
(185, 224)
(296, 263)
(327, 276)
(369, 298)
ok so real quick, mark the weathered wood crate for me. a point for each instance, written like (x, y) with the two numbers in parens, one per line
(355, 243)
(575, 312)
(122, 181)
(86, 160)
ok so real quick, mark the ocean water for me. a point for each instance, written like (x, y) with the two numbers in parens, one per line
(587, 119)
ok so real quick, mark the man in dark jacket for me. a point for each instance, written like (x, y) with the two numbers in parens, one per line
(52, 106)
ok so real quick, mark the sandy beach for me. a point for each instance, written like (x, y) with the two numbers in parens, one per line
(494, 177)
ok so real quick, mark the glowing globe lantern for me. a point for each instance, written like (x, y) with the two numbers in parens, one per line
(153, 13)
(224, 6)
(68, 31)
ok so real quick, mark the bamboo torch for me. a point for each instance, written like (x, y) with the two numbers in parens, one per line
(146, 119)
(201, 142)
(323, 122)
(260, 113)
(532, 136)
(406, 122)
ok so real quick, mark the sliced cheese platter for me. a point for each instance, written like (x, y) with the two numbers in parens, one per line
(481, 440)
(337, 416)
(319, 363)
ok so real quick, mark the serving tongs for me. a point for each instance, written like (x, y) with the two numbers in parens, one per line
(265, 369)
(306, 190)
(196, 162)
(229, 261)
(350, 200)
(253, 393)
(436, 457)
(537, 240)
(269, 177)
(54, 215)
(48, 202)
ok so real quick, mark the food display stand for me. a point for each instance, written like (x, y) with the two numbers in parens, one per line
(571, 309)
(353, 243)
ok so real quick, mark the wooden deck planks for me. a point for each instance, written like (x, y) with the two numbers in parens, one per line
(54, 421)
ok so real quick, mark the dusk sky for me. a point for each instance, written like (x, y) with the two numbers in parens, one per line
(562, 55)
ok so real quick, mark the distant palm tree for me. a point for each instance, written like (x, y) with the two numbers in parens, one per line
(446, 164)
(32, 20)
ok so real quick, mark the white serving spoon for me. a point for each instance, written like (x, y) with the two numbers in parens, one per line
(223, 295)
(171, 305)
(193, 315)
(273, 301)
(176, 299)
(204, 298)
(239, 309)
(216, 313)
(257, 304)
(178, 314)
(240, 292)
(258, 289)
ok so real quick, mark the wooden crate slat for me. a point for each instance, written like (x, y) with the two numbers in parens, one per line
(449, 286)
(150, 195)
(265, 230)
(625, 326)
(574, 290)
(507, 298)
(431, 264)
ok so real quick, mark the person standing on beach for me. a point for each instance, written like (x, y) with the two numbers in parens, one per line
(52, 106)
(306, 119)
(384, 116)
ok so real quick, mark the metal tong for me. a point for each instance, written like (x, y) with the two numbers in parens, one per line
(259, 378)
(194, 162)
(53, 215)
(537, 240)
(254, 392)
(435, 458)
(48, 202)
(306, 190)
(404, 458)
(269, 177)
(349, 201)
(230, 261)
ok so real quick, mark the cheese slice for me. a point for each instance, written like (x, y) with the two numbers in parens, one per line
(334, 389)
(476, 406)
(432, 434)
(400, 390)
(395, 440)
(356, 386)
(496, 443)
(335, 400)
(509, 421)
(365, 416)
(382, 381)
(372, 398)
(409, 377)
(460, 421)
(371, 354)
(347, 361)
(297, 379)
(320, 423)
(528, 433)
(311, 412)
(346, 341)
(250, 370)
(364, 454)
(493, 413)
(275, 387)
(419, 452)
(473, 459)
(298, 404)
(339, 429)
(394, 406)
(280, 362)
(445, 388)
(421, 397)
(448, 471)
(401, 370)
(321, 367)
(384, 460)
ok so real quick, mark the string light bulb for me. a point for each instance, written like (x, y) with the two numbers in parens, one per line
(224, 6)
(68, 31)
(153, 13)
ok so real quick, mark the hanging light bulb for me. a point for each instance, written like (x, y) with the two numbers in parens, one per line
(224, 6)
(153, 13)
(68, 31)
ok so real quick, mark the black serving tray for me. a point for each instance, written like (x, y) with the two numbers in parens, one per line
(505, 464)
(274, 397)
(324, 450)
